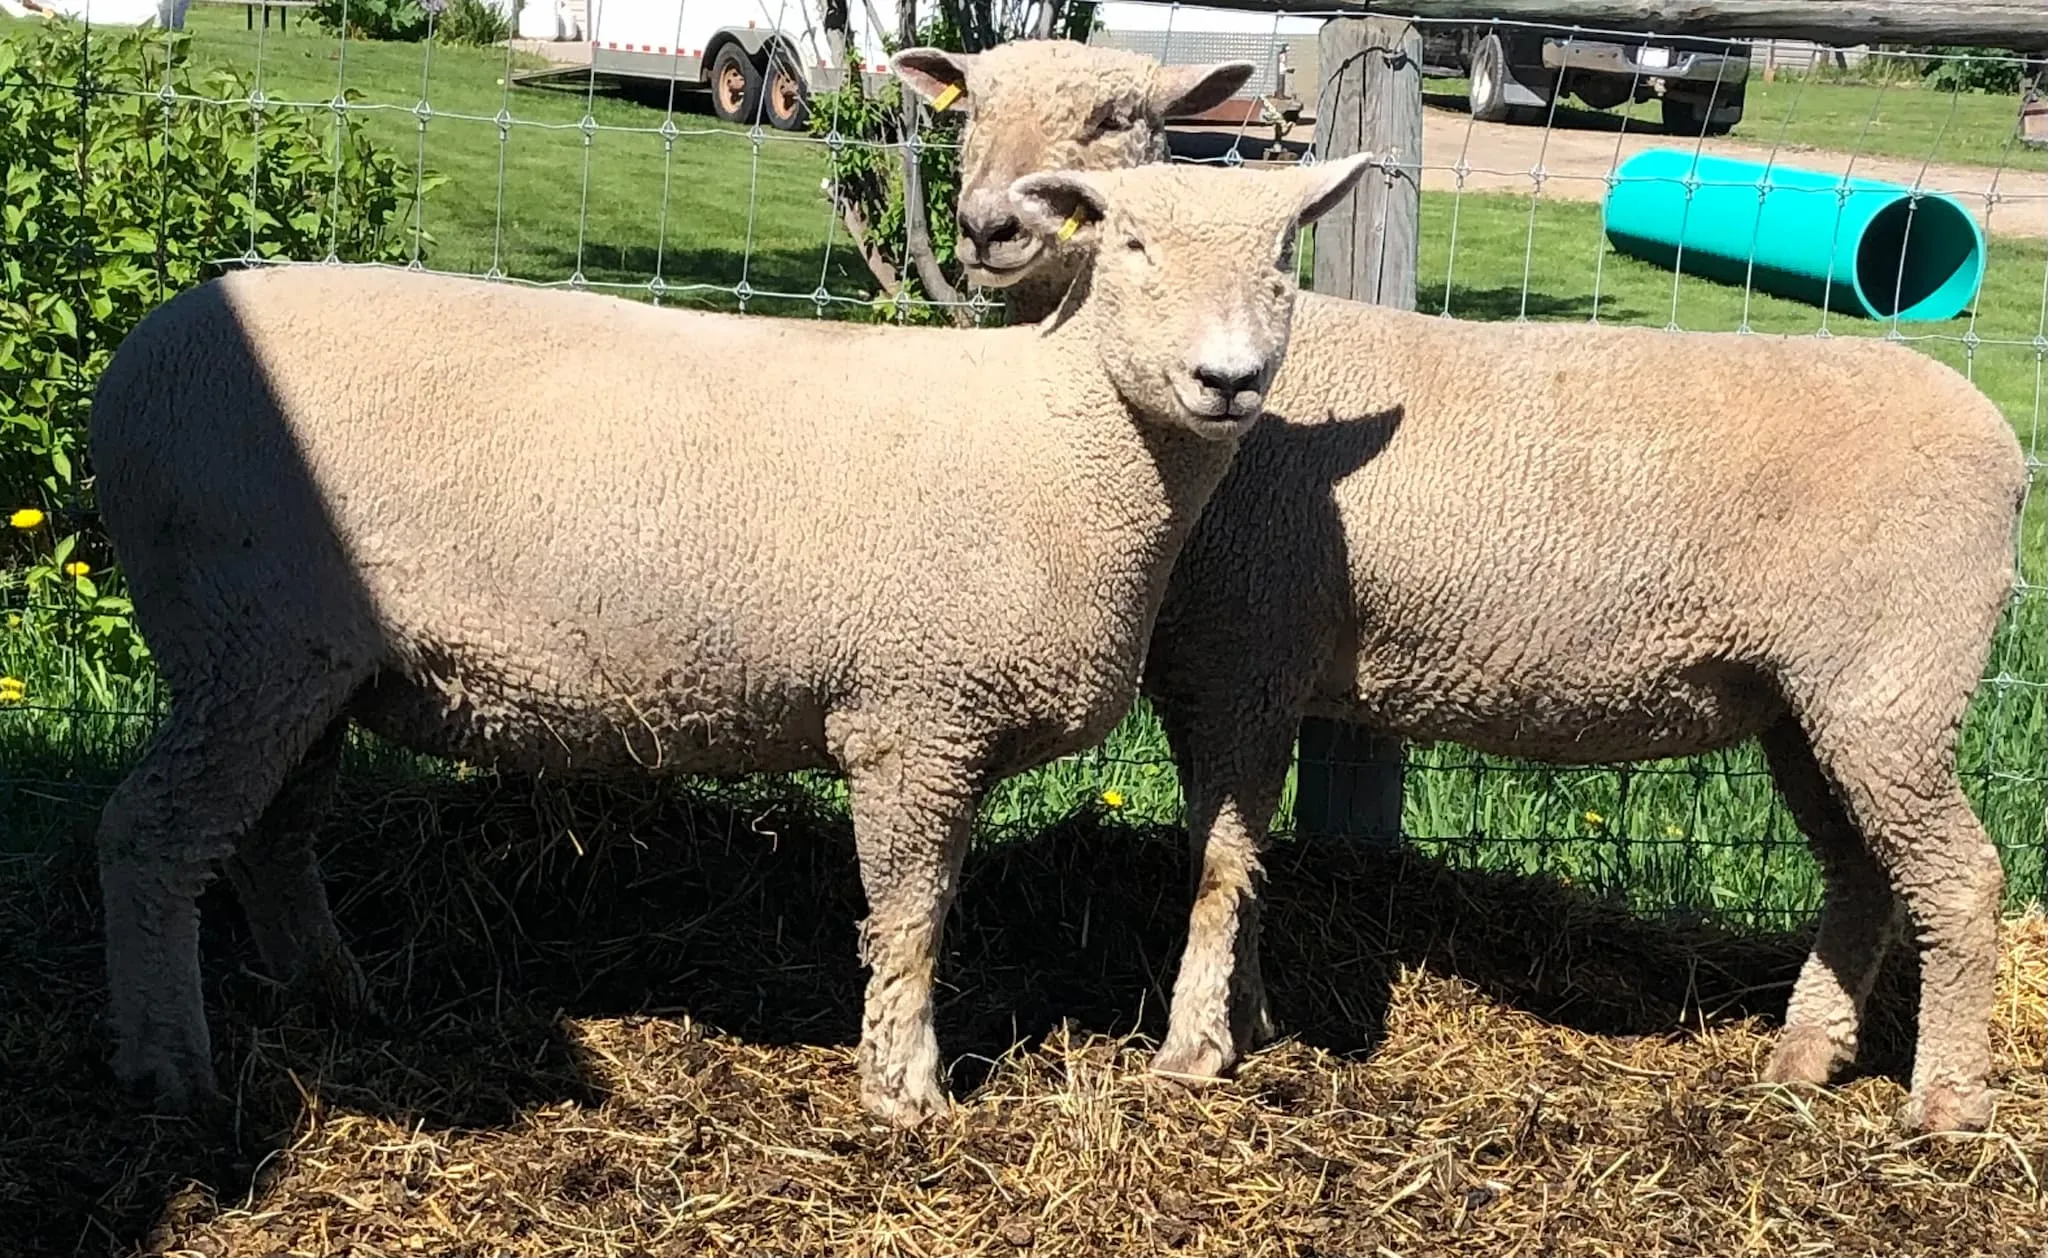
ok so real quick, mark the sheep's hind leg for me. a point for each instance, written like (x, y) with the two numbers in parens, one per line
(1233, 774)
(277, 879)
(911, 821)
(1907, 800)
(219, 759)
(1858, 919)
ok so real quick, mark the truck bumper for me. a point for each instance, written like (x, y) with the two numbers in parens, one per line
(1647, 61)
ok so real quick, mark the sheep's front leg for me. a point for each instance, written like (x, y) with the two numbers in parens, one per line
(1233, 773)
(911, 820)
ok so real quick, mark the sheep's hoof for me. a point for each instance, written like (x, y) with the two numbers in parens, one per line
(1205, 1061)
(338, 989)
(1260, 1028)
(905, 1107)
(1941, 1107)
(160, 1078)
(1803, 1054)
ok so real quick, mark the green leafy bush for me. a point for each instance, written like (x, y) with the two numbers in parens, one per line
(124, 187)
(1970, 70)
(472, 23)
(863, 133)
(373, 19)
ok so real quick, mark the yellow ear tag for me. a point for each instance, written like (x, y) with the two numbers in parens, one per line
(944, 100)
(1072, 225)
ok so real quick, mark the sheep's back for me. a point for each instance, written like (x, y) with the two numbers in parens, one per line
(1614, 528)
(551, 505)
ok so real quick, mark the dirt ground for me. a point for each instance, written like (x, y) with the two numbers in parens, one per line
(621, 1025)
(1578, 153)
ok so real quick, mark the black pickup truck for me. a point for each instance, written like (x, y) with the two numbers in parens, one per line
(1517, 71)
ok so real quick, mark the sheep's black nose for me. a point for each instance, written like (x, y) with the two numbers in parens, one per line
(987, 230)
(1229, 381)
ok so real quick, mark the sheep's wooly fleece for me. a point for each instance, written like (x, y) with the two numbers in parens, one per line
(657, 1059)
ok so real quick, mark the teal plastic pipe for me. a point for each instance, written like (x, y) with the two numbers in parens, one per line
(1872, 249)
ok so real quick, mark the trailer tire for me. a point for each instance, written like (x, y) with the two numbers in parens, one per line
(1488, 98)
(785, 100)
(735, 85)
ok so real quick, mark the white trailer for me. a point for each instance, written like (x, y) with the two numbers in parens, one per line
(1281, 47)
(762, 59)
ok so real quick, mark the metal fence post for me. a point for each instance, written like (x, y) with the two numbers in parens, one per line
(1350, 780)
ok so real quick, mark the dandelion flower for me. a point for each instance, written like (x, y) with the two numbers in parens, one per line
(1114, 798)
(1594, 818)
(26, 518)
(77, 568)
(12, 690)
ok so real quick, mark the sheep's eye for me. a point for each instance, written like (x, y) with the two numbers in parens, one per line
(1134, 244)
(1111, 120)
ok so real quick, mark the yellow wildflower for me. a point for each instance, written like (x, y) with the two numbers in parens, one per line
(26, 518)
(1114, 798)
(1594, 818)
(1673, 832)
(77, 568)
(12, 690)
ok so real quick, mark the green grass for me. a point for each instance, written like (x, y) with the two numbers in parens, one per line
(736, 210)
(1704, 834)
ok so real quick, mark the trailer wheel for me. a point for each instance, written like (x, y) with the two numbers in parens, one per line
(783, 97)
(735, 85)
(1488, 98)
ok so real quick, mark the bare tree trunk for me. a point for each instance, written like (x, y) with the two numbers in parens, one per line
(917, 236)
(863, 236)
(1042, 28)
(836, 20)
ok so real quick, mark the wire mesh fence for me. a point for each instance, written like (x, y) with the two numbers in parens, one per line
(592, 181)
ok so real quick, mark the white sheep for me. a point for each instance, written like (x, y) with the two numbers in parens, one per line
(565, 533)
(1581, 544)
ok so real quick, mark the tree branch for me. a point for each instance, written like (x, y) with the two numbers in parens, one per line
(917, 236)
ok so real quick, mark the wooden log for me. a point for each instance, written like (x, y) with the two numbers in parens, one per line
(1349, 781)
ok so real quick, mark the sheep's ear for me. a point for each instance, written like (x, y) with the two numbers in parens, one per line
(937, 75)
(1326, 183)
(1058, 204)
(1184, 91)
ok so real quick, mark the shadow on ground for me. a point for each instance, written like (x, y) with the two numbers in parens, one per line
(1512, 302)
(1564, 117)
(796, 272)
(488, 912)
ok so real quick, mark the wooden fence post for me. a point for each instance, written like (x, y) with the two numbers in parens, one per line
(1370, 99)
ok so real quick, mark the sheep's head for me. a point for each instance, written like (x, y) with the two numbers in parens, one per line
(1038, 105)
(1189, 297)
